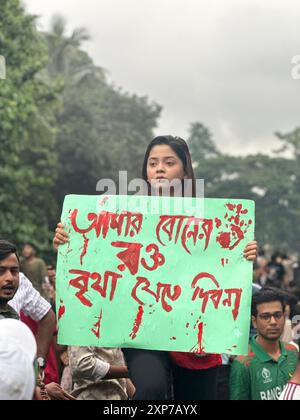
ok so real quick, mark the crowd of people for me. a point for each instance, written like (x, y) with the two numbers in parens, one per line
(270, 371)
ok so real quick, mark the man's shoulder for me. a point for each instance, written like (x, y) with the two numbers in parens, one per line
(24, 281)
(246, 360)
(290, 349)
(7, 311)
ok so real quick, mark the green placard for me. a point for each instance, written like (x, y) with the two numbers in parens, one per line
(156, 273)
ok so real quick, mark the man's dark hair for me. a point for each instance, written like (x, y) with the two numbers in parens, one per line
(267, 295)
(6, 249)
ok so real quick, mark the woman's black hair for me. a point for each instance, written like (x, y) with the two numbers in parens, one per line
(6, 249)
(180, 147)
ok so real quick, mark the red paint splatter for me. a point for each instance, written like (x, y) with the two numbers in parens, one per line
(230, 240)
(137, 323)
(85, 247)
(231, 207)
(62, 310)
(224, 261)
(197, 322)
(103, 201)
(224, 239)
(200, 338)
(97, 326)
(218, 222)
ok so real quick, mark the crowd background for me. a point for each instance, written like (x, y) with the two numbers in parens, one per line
(281, 271)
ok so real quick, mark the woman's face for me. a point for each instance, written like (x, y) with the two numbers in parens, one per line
(164, 166)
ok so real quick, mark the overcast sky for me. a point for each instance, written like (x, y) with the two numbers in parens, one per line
(225, 63)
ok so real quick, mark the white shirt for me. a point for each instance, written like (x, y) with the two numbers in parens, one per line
(291, 392)
(29, 301)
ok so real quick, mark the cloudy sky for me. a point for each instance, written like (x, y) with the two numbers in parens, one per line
(225, 63)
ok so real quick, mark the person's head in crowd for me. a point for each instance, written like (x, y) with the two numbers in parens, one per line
(276, 258)
(268, 308)
(28, 251)
(9, 271)
(17, 355)
(291, 302)
(51, 273)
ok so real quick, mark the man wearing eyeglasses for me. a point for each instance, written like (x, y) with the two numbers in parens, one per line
(270, 364)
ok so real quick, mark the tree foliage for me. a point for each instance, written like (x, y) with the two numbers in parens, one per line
(272, 182)
(101, 130)
(27, 154)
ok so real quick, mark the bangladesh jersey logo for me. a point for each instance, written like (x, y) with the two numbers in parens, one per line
(266, 374)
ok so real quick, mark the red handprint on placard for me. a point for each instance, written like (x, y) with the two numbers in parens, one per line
(235, 227)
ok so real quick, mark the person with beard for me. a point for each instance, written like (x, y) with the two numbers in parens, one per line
(9, 286)
(270, 363)
(9, 279)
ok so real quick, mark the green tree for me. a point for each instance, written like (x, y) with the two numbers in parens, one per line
(201, 142)
(272, 182)
(27, 154)
(101, 129)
